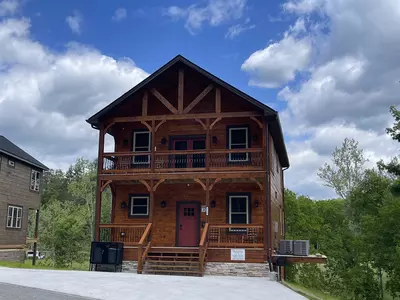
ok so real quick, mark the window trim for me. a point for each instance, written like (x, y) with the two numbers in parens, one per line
(15, 208)
(228, 207)
(134, 147)
(229, 143)
(133, 196)
(36, 181)
(11, 163)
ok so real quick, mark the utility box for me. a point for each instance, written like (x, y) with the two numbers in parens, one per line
(301, 247)
(286, 247)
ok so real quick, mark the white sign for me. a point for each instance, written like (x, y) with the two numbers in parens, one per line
(238, 254)
(203, 208)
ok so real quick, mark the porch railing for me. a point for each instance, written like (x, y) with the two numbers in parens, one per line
(128, 234)
(188, 160)
(144, 247)
(203, 248)
(236, 236)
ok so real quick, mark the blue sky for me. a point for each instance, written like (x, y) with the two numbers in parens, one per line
(330, 67)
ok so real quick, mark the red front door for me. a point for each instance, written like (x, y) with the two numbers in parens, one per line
(188, 224)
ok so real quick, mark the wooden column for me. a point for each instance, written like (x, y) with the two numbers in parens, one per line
(180, 91)
(145, 103)
(35, 237)
(153, 142)
(98, 191)
(208, 197)
(217, 100)
(267, 192)
(151, 201)
(208, 144)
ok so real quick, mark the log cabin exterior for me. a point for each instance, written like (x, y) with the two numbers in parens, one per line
(197, 168)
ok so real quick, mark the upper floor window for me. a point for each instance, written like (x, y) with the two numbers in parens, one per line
(141, 143)
(238, 139)
(139, 206)
(11, 163)
(35, 180)
(14, 216)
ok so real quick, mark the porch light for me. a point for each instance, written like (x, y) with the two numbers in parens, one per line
(163, 204)
(122, 234)
(256, 203)
(213, 203)
(255, 138)
(163, 141)
(123, 205)
(214, 139)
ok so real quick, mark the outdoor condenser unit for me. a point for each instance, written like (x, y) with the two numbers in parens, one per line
(286, 247)
(301, 247)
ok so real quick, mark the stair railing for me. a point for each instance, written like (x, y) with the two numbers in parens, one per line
(203, 248)
(145, 240)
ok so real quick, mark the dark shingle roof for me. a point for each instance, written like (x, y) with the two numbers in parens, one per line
(9, 148)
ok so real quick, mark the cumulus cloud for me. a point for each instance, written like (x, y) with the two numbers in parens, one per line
(46, 96)
(8, 7)
(75, 22)
(119, 14)
(213, 13)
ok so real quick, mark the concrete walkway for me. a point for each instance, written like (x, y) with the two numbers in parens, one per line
(145, 287)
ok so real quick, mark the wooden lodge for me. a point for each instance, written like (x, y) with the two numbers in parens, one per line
(197, 171)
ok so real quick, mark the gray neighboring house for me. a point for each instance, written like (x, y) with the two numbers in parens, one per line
(20, 191)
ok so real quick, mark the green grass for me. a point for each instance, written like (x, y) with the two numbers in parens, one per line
(45, 264)
(308, 292)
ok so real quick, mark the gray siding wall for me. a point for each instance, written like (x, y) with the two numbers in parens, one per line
(15, 190)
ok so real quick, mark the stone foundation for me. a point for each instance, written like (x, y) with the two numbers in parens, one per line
(17, 255)
(237, 269)
(129, 266)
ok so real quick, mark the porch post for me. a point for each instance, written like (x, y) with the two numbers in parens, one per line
(208, 144)
(207, 198)
(151, 201)
(98, 190)
(153, 142)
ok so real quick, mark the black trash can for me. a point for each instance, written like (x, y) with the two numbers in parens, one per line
(107, 256)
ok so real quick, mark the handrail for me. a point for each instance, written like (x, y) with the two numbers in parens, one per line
(141, 255)
(237, 226)
(183, 152)
(116, 225)
(203, 248)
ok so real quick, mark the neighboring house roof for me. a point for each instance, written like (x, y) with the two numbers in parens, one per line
(275, 126)
(10, 149)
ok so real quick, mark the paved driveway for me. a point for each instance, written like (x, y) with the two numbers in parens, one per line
(145, 287)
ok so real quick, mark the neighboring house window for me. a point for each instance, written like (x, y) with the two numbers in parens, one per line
(11, 163)
(139, 206)
(239, 210)
(141, 143)
(14, 216)
(35, 180)
(238, 139)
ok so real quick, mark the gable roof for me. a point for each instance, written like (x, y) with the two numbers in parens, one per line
(275, 127)
(10, 149)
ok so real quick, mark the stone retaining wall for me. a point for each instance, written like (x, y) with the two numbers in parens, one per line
(237, 269)
(129, 266)
(17, 255)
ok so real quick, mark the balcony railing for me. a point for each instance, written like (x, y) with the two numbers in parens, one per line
(235, 235)
(124, 233)
(179, 161)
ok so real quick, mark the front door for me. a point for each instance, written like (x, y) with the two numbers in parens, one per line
(190, 160)
(188, 224)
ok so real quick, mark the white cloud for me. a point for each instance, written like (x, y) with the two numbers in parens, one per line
(119, 14)
(214, 13)
(46, 96)
(75, 22)
(237, 29)
(303, 6)
(8, 7)
(278, 62)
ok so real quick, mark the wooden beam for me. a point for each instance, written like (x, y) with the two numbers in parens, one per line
(215, 182)
(208, 145)
(108, 127)
(215, 122)
(207, 196)
(239, 114)
(258, 183)
(180, 91)
(151, 200)
(198, 99)
(158, 183)
(159, 124)
(217, 100)
(147, 125)
(145, 103)
(164, 101)
(105, 185)
(201, 123)
(201, 183)
(98, 189)
(153, 143)
(257, 121)
(146, 184)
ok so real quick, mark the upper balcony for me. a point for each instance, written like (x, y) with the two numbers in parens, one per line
(251, 159)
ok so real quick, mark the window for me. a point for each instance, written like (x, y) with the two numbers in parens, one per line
(14, 216)
(35, 180)
(11, 163)
(239, 210)
(141, 143)
(238, 139)
(139, 206)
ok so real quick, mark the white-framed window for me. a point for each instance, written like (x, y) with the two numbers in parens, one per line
(139, 206)
(141, 143)
(238, 210)
(11, 163)
(35, 180)
(238, 139)
(14, 216)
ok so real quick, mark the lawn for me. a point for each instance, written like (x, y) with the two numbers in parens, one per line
(44, 264)
(308, 292)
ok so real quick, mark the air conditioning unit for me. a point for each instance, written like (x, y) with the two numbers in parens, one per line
(286, 247)
(301, 247)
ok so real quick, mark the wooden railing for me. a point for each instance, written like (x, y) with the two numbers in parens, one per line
(236, 236)
(142, 253)
(128, 234)
(203, 248)
(180, 161)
